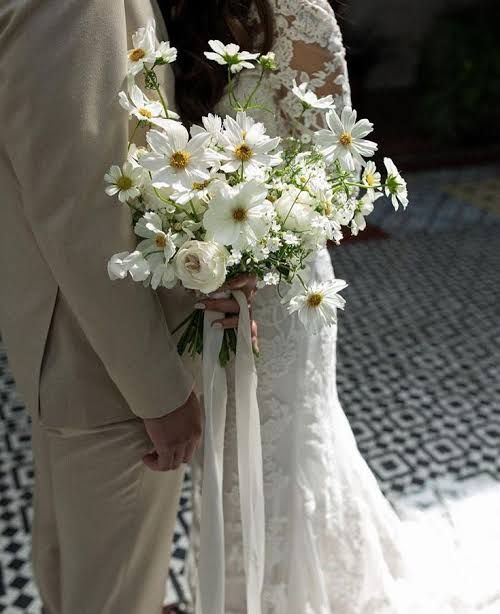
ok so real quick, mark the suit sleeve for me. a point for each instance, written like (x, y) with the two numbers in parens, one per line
(65, 63)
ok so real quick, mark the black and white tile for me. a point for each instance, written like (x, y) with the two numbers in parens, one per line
(418, 376)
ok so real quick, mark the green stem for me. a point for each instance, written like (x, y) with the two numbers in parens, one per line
(254, 91)
(130, 143)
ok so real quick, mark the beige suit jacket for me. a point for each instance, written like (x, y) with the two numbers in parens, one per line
(85, 351)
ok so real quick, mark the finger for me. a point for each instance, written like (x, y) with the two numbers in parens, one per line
(254, 329)
(190, 450)
(227, 305)
(255, 336)
(165, 460)
(231, 322)
(178, 456)
(245, 280)
(151, 461)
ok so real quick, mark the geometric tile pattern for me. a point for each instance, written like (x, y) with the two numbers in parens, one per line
(418, 368)
(444, 200)
(419, 356)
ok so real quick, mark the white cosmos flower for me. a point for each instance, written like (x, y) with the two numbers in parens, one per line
(212, 125)
(309, 99)
(371, 179)
(364, 208)
(395, 185)
(149, 227)
(144, 49)
(317, 306)
(162, 272)
(124, 182)
(175, 159)
(230, 55)
(239, 216)
(344, 140)
(165, 53)
(142, 108)
(125, 263)
(247, 145)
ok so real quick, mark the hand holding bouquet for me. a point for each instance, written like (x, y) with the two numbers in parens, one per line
(226, 199)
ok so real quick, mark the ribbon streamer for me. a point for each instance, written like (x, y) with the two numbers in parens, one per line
(211, 571)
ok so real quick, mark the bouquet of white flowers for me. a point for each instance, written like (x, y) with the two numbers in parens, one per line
(225, 198)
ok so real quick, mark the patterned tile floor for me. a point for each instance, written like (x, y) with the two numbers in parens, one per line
(419, 356)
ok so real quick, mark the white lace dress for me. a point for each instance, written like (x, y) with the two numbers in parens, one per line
(334, 544)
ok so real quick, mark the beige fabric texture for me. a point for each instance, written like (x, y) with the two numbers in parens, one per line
(92, 351)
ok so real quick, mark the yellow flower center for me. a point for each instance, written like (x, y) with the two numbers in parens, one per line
(161, 241)
(136, 54)
(200, 185)
(145, 113)
(124, 183)
(370, 180)
(315, 299)
(192, 263)
(240, 214)
(328, 210)
(180, 159)
(346, 138)
(243, 152)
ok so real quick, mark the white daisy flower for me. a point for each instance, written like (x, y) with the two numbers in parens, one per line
(212, 125)
(344, 140)
(162, 272)
(150, 228)
(230, 55)
(165, 53)
(309, 99)
(125, 182)
(395, 185)
(371, 179)
(234, 258)
(317, 306)
(129, 263)
(247, 145)
(175, 159)
(289, 238)
(144, 49)
(363, 210)
(239, 216)
(198, 191)
(142, 108)
(270, 279)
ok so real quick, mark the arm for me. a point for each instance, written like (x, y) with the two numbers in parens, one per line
(65, 63)
(308, 47)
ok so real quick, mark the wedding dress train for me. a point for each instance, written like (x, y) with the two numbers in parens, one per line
(334, 545)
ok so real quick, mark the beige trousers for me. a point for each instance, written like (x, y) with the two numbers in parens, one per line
(103, 522)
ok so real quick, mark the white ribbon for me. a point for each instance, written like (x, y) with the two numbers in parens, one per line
(211, 571)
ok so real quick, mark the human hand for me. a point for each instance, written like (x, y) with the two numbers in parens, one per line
(175, 436)
(230, 307)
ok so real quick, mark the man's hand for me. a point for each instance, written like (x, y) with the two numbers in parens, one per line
(230, 307)
(175, 436)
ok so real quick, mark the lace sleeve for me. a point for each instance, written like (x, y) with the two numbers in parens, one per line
(308, 47)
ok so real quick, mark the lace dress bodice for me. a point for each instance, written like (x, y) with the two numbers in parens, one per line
(308, 47)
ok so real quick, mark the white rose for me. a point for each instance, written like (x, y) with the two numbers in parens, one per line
(201, 265)
(295, 207)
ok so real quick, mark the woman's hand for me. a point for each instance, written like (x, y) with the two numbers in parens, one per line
(230, 307)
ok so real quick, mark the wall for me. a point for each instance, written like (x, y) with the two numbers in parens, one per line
(403, 23)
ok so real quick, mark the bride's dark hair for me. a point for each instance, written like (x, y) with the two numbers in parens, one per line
(200, 83)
